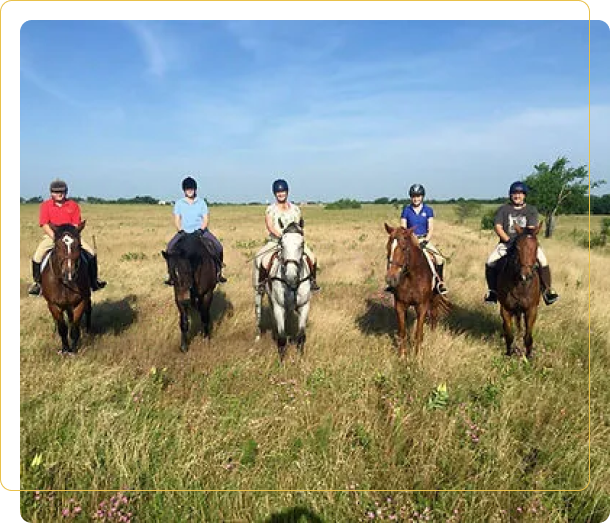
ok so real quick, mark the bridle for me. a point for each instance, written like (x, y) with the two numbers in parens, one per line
(404, 267)
(284, 263)
(531, 267)
(72, 275)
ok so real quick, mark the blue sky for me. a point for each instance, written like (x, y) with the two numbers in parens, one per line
(357, 109)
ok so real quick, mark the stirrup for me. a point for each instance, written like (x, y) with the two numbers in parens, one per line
(221, 278)
(34, 289)
(313, 285)
(441, 289)
(99, 284)
(550, 297)
(491, 297)
(169, 282)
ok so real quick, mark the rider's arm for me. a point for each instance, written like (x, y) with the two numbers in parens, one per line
(270, 226)
(430, 229)
(205, 222)
(178, 222)
(403, 223)
(500, 232)
(48, 231)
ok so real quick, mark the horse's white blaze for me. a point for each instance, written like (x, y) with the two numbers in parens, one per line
(68, 240)
(393, 248)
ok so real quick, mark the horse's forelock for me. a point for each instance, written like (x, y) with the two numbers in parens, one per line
(293, 227)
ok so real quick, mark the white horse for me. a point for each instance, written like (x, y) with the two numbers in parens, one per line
(288, 287)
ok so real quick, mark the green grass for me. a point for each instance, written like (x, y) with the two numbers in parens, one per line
(132, 411)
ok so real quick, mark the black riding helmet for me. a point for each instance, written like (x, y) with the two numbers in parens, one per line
(417, 190)
(189, 183)
(58, 185)
(279, 186)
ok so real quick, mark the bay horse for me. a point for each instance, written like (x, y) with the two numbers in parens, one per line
(519, 286)
(193, 271)
(66, 286)
(288, 287)
(409, 274)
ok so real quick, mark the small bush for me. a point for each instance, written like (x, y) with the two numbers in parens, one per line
(487, 220)
(343, 204)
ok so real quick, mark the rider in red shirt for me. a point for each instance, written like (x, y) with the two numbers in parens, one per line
(59, 210)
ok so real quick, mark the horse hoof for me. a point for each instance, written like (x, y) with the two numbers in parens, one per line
(257, 338)
(184, 349)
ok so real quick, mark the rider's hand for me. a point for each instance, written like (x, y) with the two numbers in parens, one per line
(423, 244)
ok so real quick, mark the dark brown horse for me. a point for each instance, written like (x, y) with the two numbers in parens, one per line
(519, 286)
(193, 271)
(66, 286)
(409, 274)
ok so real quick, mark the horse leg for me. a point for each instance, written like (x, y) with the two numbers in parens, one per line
(421, 310)
(303, 312)
(507, 325)
(62, 327)
(258, 311)
(205, 302)
(184, 326)
(401, 313)
(75, 325)
(530, 319)
(280, 318)
(88, 314)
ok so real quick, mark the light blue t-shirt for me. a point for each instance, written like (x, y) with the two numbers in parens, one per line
(191, 214)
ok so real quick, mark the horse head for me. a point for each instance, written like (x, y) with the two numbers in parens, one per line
(67, 249)
(181, 272)
(399, 250)
(525, 247)
(292, 245)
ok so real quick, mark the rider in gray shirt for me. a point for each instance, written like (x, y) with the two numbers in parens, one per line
(516, 212)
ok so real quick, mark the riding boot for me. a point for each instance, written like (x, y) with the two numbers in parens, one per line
(548, 294)
(96, 284)
(314, 284)
(440, 286)
(34, 289)
(491, 275)
(219, 276)
(263, 275)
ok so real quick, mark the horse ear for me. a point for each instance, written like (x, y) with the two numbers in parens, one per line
(81, 225)
(281, 223)
(518, 229)
(53, 227)
(389, 229)
(164, 254)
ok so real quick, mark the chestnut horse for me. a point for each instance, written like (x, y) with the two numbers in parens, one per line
(66, 286)
(409, 274)
(193, 271)
(519, 286)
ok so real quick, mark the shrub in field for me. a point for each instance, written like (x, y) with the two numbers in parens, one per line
(344, 203)
(466, 209)
(487, 220)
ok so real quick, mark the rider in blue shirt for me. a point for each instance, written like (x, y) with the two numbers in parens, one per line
(421, 216)
(191, 215)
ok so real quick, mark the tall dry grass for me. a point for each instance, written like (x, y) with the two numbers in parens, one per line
(132, 411)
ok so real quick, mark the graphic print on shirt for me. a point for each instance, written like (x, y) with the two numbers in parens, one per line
(520, 220)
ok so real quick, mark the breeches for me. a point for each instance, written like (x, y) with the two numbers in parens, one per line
(433, 251)
(501, 250)
(47, 244)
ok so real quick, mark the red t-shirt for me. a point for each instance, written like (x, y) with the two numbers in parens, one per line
(68, 213)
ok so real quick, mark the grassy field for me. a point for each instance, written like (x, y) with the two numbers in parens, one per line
(131, 412)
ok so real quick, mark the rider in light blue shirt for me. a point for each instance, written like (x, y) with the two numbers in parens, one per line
(191, 215)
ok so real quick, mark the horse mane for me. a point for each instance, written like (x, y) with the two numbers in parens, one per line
(293, 227)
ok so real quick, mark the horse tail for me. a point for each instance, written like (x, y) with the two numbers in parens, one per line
(441, 305)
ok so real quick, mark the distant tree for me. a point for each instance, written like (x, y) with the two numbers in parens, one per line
(558, 189)
(21, 199)
(466, 209)
(382, 201)
(34, 199)
(344, 203)
(600, 204)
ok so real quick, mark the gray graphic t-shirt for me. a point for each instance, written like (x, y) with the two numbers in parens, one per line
(508, 216)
